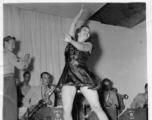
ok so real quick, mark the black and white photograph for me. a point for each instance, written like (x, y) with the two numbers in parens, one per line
(75, 61)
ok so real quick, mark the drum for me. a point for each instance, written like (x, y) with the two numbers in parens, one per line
(111, 112)
(57, 113)
(134, 114)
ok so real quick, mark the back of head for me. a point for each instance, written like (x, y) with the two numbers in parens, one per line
(106, 84)
(114, 90)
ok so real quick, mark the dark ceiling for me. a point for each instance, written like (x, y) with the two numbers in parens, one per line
(121, 14)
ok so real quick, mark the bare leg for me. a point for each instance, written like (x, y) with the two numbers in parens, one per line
(68, 94)
(93, 100)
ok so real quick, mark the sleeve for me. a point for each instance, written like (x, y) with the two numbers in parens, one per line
(115, 100)
(19, 63)
(121, 103)
(27, 98)
(134, 102)
(52, 99)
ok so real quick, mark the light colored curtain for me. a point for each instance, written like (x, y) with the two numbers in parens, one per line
(40, 35)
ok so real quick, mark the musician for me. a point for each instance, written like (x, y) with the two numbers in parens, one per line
(23, 87)
(107, 97)
(38, 93)
(141, 100)
(120, 100)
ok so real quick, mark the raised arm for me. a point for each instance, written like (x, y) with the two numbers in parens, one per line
(75, 21)
(87, 46)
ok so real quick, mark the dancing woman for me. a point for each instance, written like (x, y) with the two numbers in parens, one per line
(76, 74)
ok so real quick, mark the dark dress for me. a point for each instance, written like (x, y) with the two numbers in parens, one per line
(76, 72)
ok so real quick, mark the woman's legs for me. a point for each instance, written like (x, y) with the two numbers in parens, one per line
(93, 100)
(68, 94)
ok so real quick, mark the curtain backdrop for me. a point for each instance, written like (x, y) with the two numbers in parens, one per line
(42, 36)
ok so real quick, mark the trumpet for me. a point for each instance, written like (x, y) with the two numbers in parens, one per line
(125, 96)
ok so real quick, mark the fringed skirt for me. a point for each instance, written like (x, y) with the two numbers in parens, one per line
(78, 75)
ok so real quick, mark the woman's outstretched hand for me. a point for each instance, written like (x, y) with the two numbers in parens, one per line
(82, 9)
(68, 38)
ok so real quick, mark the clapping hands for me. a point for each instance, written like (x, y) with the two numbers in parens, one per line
(26, 60)
(27, 57)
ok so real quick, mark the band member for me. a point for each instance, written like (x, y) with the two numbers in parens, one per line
(141, 100)
(38, 93)
(120, 100)
(108, 98)
(76, 74)
(10, 92)
(23, 87)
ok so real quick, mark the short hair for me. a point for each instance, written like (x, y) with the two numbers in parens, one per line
(7, 39)
(27, 72)
(44, 73)
(103, 86)
(146, 85)
(79, 29)
(106, 80)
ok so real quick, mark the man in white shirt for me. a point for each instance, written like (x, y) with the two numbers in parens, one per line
(9, 92)
(38, 93)
(141, 100)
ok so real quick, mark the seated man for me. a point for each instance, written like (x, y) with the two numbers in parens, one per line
(107, 97)
(23, 87)
(38, 93)
(141, 100)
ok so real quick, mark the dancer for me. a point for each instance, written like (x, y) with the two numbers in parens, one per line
(9, 92)
(76, 74)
